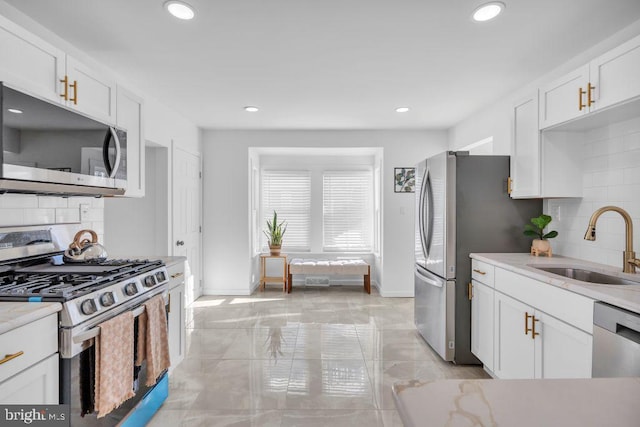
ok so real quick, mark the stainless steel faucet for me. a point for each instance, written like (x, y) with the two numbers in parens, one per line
(629, 260)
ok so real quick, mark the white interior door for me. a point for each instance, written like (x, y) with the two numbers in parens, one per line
(186, 217)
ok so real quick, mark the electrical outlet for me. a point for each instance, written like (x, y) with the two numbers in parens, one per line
(84, 211)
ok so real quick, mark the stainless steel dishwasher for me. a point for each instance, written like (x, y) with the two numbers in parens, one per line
(616, 342)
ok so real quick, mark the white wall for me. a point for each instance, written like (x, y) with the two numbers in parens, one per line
(227, 256)
(139, 226)
(611, 159)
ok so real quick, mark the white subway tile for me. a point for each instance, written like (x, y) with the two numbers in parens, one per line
(75, 202)
(52, 202)
(93, 214)
(631, 141)
(67, 215)
(10, 217)
(632, 175)
(18, 201)
(39, 216)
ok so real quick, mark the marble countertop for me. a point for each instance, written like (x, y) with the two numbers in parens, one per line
(624, 296)
(16, 314)
(523, 403)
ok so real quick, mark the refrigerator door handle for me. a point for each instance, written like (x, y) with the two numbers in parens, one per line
(429, 280)
(426, 195)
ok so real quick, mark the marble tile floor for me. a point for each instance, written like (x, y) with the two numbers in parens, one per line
(316, 357)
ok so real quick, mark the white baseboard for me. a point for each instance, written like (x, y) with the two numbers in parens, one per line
(396, 294)
(226, 292)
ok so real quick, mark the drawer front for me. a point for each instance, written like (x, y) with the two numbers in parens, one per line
(482, 272)
(36, 340)
(567, 306)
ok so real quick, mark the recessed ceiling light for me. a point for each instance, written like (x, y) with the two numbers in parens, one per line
(251, 109)
(14, 110)
(402, 109)
(488, 11)
(180, 10)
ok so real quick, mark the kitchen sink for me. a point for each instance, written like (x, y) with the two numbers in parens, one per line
(588, 276)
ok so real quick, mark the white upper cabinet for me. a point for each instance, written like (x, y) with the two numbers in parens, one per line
(129, 118)
(89, 91)
(616, 75)
(565, 98)
(30, 63)
(611, 79)
(33, 65)
(525, 150)
(543, 164)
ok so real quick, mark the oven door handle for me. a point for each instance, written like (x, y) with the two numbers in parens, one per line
(94, 332)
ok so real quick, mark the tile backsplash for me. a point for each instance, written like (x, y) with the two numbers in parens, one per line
(611, 155)
(27, 209)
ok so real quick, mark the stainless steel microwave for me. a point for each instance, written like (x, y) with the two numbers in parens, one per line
(49, 149)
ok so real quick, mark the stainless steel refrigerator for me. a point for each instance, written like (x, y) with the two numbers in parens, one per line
(462, 206)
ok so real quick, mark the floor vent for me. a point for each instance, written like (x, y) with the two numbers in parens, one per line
(317, 280)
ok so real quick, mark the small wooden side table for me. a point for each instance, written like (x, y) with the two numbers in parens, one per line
(263, 271)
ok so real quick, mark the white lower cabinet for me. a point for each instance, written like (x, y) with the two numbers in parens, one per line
(514, 335)
(561, 351)
(37, 385)
(557, 350)
(514, 351)
(29, 365)
(177, 343)
(482, 312)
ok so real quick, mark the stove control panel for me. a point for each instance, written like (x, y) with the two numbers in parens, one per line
(97, 303)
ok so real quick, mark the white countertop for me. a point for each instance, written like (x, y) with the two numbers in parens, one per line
(16, 314)
(624, 296)
(523, 403)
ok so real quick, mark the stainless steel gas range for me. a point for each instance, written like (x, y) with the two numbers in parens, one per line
(90, 293)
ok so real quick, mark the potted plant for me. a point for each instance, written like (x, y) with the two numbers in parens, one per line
(540, 244)
(274, 233)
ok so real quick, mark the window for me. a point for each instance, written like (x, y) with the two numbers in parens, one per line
(289, 194)
(347, 213)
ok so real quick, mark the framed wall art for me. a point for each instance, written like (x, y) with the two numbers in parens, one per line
(404, 180)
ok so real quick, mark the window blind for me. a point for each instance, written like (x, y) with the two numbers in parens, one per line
(347, 211)
(289, 194)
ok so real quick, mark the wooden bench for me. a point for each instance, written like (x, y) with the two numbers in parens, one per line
(330, 267)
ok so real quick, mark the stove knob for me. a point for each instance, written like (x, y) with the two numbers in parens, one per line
(130, 289)
(107, 299)
(88, 307)
(161, 276)
(149, 281)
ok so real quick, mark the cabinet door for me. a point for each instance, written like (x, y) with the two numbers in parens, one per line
(561, 99)
(129, 118)
(525, 153)
(561, 350)
(176, 325)
(514, 350)
(36, 385)
(615, 75)
(95, 94)
(29, 63)
(482, 329)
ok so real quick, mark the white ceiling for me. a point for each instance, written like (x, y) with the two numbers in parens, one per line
(330, 64)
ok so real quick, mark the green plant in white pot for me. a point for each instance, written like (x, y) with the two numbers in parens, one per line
(536, 229)
(274, 232)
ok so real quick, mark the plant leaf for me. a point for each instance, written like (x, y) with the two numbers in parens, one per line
(531, 233)
(550, 235)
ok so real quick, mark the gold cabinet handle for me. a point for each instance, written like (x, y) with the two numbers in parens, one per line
(590, 89)
(527, 316)
(173, 276)
(580, 104)
(470, 291)
(74, 85)
(534, 334)
(509, 185)
(8, 357)
(65, 94)
(479, 271)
